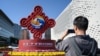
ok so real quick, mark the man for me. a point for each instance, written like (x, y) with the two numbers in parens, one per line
(84, 42)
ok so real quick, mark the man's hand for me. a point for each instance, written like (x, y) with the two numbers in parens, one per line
(64, 34)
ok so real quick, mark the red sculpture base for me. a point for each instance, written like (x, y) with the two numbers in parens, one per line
(36, 45)
(36, 48)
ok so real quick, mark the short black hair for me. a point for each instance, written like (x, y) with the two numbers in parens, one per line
(81, 22)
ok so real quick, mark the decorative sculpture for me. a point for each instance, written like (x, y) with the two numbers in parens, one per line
(37, 22)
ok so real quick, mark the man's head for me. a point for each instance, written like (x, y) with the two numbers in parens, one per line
(80, 23)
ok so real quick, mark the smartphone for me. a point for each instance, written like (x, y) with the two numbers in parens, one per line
(71, 31)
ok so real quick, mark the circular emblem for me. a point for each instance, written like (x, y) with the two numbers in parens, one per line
(38, 22)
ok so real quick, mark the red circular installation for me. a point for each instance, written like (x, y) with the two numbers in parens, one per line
(37, 22)
(51, 22)
(37, 35)
(23, 22)
(38, 9)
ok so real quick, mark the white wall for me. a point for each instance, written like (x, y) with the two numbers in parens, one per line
(87, 8)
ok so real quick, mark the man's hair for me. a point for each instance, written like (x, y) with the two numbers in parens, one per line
(81, 22)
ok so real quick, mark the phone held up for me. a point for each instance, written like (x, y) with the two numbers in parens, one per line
(71, 31)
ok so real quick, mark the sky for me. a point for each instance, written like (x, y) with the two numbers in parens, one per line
(18, 9)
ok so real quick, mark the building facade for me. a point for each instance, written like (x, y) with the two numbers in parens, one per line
(9, 31)
(47, 34)
(87, 8)
(17, 30)
(6, 26)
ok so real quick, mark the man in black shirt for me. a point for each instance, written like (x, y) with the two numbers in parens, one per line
(84, 42)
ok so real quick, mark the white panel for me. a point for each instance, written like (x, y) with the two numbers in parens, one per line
(87, 8)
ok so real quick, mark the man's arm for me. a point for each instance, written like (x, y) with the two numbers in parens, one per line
(61, 44)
